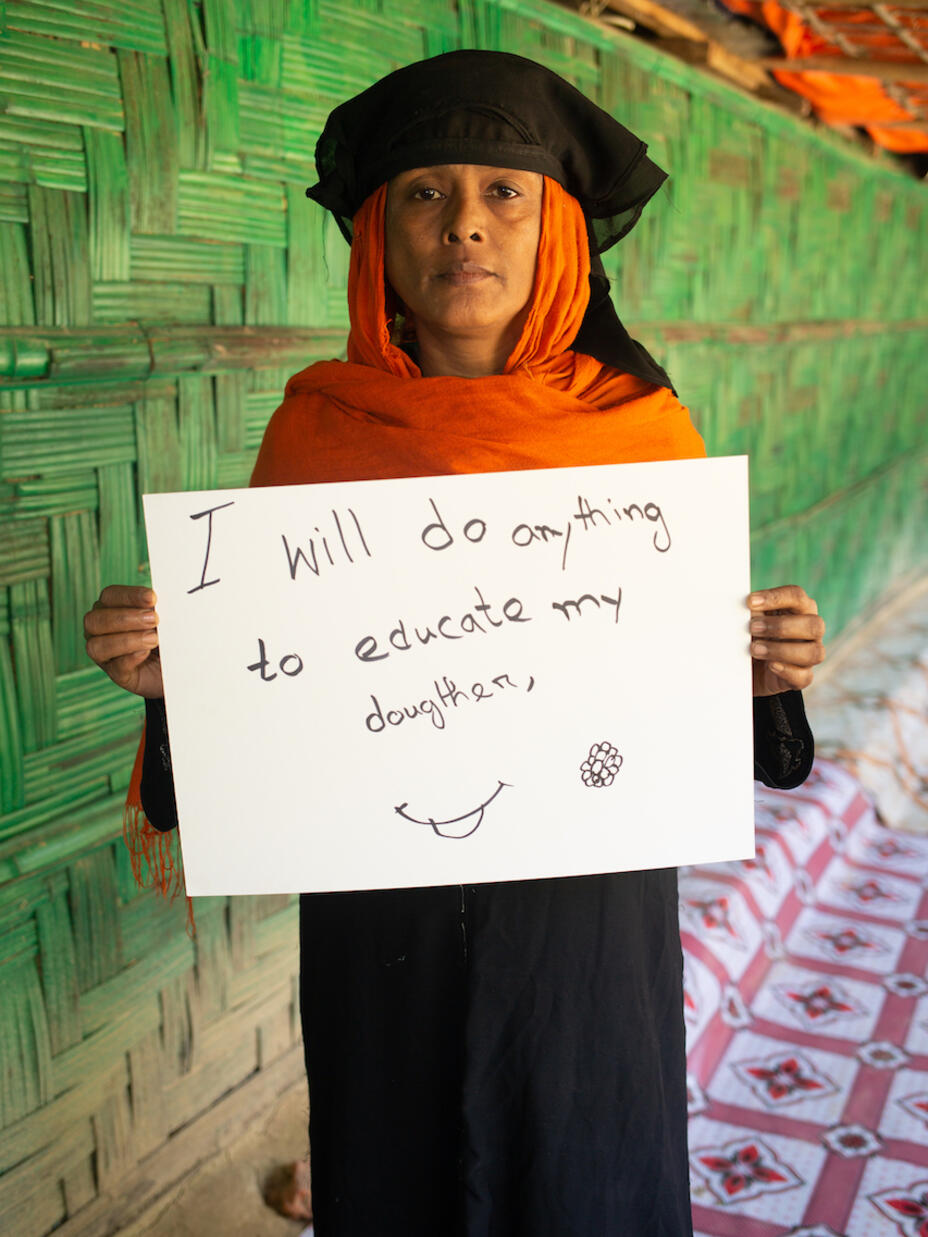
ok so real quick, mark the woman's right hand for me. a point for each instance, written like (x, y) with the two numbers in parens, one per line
(121, 633)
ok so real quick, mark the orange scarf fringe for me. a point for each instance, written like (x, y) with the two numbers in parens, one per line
(154, 856)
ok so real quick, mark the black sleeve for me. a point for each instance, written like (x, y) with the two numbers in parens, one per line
(783, 744)
(157, 788)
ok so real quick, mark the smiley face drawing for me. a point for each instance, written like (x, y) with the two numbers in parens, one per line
(457, 827)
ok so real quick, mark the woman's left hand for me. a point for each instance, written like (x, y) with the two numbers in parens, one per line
(786, 639)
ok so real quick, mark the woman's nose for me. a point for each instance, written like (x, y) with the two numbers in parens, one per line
(464, 219)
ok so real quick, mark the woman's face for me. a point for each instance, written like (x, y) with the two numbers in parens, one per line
(461, 243)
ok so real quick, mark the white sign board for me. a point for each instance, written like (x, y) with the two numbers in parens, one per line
(456, 679)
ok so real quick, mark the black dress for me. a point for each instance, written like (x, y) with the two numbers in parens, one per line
(503, 1059)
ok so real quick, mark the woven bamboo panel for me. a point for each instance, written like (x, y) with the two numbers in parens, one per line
(161, 276)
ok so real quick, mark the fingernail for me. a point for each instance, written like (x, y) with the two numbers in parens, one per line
(756, 599)
(758, 625)
(760, 650)
(777, 667)
(150, 637)
(148, 615)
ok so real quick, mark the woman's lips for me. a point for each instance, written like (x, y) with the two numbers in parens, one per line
(459, 274)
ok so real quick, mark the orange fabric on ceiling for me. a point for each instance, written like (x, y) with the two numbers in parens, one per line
(899, 141)
(838, 98)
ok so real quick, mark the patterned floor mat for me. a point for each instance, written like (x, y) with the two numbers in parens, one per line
(807, 1023)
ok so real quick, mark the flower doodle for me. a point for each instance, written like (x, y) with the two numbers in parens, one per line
(601, 766)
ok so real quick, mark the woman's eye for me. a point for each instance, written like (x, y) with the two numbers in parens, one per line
(505, 191)
(427, 194)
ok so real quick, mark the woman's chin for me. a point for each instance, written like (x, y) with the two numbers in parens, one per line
(473, 321)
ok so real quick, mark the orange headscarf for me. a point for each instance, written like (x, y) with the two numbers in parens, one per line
(366, 418)
(375, 416)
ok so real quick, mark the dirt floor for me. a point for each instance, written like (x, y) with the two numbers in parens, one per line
(222, 1198)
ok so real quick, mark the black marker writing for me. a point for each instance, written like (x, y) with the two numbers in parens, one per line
(403, 638)
(446, 696)
(576, 604)
(204, 583)
(457, 826)
(310, 555)
(587, 514)
(290, 664)
(588, 519)
(438, 536)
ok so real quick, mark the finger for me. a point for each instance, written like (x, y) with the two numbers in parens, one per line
(130, 595)
(104, 649)
(798, 677)
(108, 619)
(787, 653)
(786, 597)
(788, 626)
(122, 670)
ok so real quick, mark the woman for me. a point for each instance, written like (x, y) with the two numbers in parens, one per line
(504, 1058)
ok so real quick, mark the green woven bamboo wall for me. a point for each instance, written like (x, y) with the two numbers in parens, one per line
(161, 276)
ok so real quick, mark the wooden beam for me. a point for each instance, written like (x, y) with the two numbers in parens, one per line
(684, 39)
(886, 70)
(862, 4)
(713, 55)
(737, 69)
(662, 21)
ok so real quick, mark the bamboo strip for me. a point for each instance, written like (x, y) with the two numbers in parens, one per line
(220, 81)
(47, 79)
(25, 819)
(117, 518)
(226, 207)
(97, 937)
(24, 551)
(27, 1205)
(63, 440)
(34, 662)
(59, 969)
(118, 23)
(88, 694)
(183, 258)
(184, 39)
(75, 583)
(12, 795)
(41, 152)
(26, 1138)
(25, 1052)
(123, 352)
(151, 144)
(108, 203)
(197, 432)
(168, 302)
(77, 831)
(55, 495)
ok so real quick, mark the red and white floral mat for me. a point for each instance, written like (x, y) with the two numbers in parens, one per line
(871, 713)
(807, 1023)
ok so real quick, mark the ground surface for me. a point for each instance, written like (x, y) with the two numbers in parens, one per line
(222, 1198)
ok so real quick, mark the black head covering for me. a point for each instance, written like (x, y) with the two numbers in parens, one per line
(500, 110)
